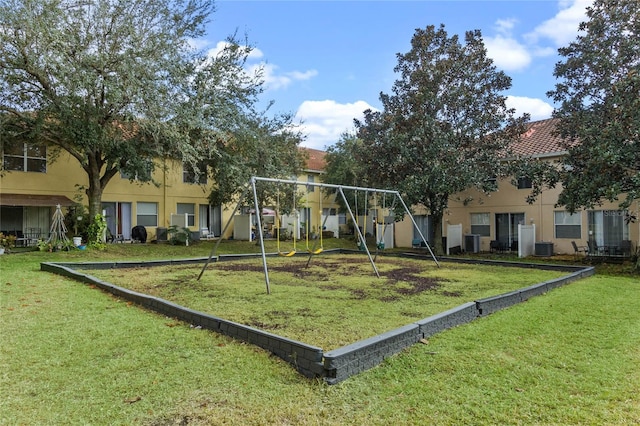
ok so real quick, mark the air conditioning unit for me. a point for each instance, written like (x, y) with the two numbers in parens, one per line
(161, 234)
(544, 249)
(472, 243)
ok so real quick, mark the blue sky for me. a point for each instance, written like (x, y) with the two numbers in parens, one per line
(327, 61)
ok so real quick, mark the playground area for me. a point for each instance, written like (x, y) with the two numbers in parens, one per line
(335, 301)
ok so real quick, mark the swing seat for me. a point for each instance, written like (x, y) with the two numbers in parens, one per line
(285, 254)
(317, 251)
(380, 245)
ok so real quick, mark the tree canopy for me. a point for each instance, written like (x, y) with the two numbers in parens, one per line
(444, 128)
(118, 83)
(266, 147)
(598, 93)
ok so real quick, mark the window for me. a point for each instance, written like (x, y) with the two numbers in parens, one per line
(25, 157)
(147, 214)
(524, 183)
(480, 224)
(568, 225)
(189, 174)
(311, 179)
(189, 210)
(342, 218)
(331, 212)
(139, 175)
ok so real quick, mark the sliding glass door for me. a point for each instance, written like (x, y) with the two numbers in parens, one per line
(507, 227)
(608, 227)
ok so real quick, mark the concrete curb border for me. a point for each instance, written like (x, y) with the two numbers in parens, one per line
(339, 364)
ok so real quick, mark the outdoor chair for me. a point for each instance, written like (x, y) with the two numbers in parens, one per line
(579, 249)
(496, 246)
(596, 250)
(206, 235)
(625, 248)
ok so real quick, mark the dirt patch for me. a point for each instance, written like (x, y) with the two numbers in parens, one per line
(239, 267)
(410, 275)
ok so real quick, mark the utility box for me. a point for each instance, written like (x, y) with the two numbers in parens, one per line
(544, 249)
(472, 243)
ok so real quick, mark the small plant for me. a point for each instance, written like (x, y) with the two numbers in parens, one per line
(96, 232)
(179, 235)
(59, 245)
(7, 241)
(44, 245)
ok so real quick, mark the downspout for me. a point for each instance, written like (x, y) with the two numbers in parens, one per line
(540, 212)
(164, 188)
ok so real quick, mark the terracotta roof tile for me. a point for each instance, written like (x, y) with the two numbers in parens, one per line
(315, 159)
(538, 140)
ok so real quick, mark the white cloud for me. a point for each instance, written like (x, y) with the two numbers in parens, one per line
(537, 108)
(562, 28)
(272, 77)
(324, 121)
(511, 54)
(504, 26)
(507, 53)
(221, 45)
(274, 80)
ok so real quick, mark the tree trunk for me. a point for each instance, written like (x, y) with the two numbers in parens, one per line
(436, 222)
(94, 195)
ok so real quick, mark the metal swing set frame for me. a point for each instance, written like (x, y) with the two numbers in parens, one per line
(251, 187)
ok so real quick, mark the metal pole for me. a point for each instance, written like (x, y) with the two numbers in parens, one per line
(373, 264)
(259, 230)
(325, 185)
(215, 247)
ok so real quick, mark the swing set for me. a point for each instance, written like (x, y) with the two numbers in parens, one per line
(315, 250)
(278, 224)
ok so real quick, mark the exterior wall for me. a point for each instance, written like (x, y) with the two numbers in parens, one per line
(404, 229)
(64, 174)
(510, 199)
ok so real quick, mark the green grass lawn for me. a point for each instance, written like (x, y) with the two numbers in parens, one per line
(335, 301)
(71, 354)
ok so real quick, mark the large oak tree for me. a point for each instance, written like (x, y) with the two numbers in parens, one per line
(444, 128)
(118, 84)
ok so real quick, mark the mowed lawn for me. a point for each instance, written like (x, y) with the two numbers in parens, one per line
(331, 301)
(71, 354)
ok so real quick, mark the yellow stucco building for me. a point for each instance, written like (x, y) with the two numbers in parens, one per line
(34, 185)
(495, 217)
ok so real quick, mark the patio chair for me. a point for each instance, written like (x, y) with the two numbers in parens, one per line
(495, 246)
(579, 249)
(625, 248)
(595, 249)
(206, 235)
